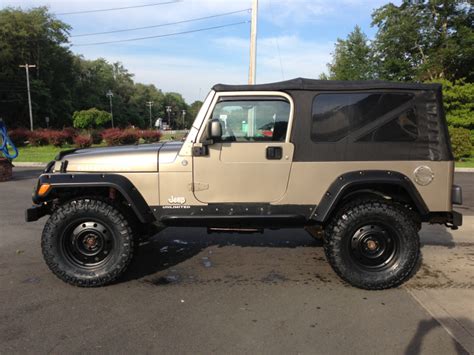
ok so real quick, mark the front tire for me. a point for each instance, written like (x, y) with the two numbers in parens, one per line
(372, 245)
(87, 243)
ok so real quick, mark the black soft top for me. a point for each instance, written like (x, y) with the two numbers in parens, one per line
(312, 84)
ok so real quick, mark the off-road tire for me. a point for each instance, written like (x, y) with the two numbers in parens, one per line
(343, 246)
(55, 242)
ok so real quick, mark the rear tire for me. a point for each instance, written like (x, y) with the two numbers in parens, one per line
(372, 245)
(87, 243)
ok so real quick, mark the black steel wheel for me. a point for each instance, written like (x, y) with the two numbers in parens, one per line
(372, 244)
(87, 242)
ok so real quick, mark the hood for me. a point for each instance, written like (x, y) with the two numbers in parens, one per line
(134, 158)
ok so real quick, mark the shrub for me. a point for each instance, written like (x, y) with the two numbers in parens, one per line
(70, 133)
(458, 100)
(129, 136)
(56, 138)
(96, 136)
(112, 136)
(460, 142)
(115, 136)
(19, 136)
(91, 118)
(150, 136)
(38, 138)
(83, 141)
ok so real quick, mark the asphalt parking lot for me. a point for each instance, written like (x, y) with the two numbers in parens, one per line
(190, 292)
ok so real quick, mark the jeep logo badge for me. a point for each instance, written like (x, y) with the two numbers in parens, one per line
(176, 200)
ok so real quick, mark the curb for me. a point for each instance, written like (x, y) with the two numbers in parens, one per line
(29, 165)
(42, 165)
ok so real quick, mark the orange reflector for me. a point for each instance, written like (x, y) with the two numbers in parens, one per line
(43, 190)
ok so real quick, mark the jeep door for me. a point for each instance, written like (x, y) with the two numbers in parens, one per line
(251, 162)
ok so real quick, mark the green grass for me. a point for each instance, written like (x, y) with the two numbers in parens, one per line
(171, 137)
(38, 154)
(466, 162)
(42, 154)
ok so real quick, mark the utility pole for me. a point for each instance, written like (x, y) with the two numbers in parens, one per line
(27, 67)
(150, 104)
(253, 43)
(184, 115)
(110, 94)
(168, 110)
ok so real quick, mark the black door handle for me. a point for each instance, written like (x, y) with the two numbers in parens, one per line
(274, 153)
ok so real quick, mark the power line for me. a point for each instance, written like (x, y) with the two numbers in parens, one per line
(118, 8)
(276, 42)
(162, 24)
(159, 36)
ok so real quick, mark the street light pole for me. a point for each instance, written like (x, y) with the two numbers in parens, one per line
(110, 94)
(27, 67)
(150, 104)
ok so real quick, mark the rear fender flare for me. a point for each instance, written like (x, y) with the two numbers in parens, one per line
(365, 178)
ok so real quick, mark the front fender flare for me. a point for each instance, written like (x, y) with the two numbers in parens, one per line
(119, 182)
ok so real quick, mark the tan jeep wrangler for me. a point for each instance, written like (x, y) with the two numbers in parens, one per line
(362, 164)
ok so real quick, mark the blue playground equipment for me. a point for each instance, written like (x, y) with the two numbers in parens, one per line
(7, 148)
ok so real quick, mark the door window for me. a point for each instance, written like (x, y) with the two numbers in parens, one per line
(253, 120)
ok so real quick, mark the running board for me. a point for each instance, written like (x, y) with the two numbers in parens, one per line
(234, 230)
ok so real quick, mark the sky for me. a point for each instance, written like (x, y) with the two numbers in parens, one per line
(295, 38)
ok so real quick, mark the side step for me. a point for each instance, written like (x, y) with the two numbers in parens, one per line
(234, 230)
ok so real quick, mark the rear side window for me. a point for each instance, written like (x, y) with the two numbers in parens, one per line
(334, 116)
(403, 128)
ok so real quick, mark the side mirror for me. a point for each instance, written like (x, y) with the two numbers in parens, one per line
(215, 129)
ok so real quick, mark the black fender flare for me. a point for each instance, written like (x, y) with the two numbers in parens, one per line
(347, 181)
(118, 182)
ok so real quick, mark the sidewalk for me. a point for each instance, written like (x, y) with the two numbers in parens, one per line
(444, 285)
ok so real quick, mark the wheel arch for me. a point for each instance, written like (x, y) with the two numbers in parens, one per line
(68, 185)
(380, 183)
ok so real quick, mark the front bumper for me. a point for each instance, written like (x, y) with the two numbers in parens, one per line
(36, 212)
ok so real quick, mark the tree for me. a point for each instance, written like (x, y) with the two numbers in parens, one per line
(141, 95)
(92, 118)
(459, 103)
(34, 37)
(177, 104)
(64, 83)
(352, 58)
(193, 111)
(425, 40)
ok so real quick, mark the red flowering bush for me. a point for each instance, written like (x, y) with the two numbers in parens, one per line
(56, 138)
(38, 138)
(150, 136)
(83, 141)
(130, 136)
(96, 136)
(70, 133)
(115, 136)
(19, 136)
(112, 136)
